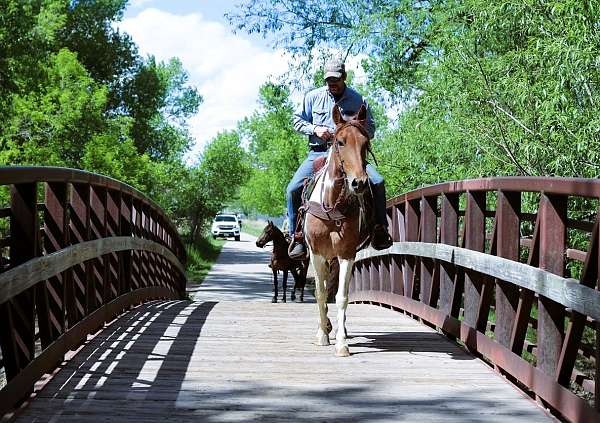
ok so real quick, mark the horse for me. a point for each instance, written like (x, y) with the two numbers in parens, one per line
(334, 222)
(281, 261)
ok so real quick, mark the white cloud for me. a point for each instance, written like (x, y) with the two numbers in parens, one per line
(139, 3)
(226, 68)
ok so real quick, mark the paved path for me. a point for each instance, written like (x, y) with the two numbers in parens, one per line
(232, 356)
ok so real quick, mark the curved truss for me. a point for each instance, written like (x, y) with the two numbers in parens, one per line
(485, 261)
(93, 248)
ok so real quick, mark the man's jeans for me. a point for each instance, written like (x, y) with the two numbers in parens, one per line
(294, 190)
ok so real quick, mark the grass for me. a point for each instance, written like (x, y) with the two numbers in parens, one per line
(201, 257)
(253, 227)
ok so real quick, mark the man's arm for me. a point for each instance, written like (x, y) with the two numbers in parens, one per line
(303, 118)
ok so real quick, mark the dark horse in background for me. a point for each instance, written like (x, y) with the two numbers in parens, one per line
(280, 261)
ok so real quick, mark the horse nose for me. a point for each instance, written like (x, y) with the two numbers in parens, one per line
(358, 185)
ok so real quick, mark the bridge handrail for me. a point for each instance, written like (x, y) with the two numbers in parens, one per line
(478, 272)
(81, 249)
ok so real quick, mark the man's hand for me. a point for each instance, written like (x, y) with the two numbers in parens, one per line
(323, 133)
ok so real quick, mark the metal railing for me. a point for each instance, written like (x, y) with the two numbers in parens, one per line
(78, 249)
(509, 268)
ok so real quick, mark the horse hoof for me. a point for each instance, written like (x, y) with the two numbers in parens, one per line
(323, 340)
(293, 298)
(284, 300)
(273, 300)
(342, 351)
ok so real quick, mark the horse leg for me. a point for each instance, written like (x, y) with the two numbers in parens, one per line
(295, 276)
(341, 301)
(284, 285)
(320, 265)
(302, 275)
(274, 299)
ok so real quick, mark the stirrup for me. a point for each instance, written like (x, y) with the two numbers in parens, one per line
(297, 249)
(381, 238)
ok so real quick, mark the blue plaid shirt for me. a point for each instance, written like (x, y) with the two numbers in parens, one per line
(316, 110)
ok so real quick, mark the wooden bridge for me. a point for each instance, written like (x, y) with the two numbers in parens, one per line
(470, 316)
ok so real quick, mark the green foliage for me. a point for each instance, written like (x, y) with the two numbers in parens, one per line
(74, 92)
(482, 88)
(276, 150)
(208, 187)
(201, 256)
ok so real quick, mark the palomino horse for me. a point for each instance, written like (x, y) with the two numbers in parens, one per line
(281, 261)
(334, 222)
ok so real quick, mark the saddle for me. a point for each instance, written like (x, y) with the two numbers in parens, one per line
(337, 214)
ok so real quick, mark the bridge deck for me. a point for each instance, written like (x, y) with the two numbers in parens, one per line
(219, 359)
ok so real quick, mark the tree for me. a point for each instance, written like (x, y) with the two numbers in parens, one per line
(276, 150)
(485, 88)
(214, 182)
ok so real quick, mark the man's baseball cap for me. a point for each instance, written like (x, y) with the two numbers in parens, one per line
(334, 68)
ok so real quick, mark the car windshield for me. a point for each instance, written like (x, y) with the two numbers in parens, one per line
(225, 219)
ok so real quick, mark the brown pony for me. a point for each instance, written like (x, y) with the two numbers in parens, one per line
(341, 190)
(280, 261)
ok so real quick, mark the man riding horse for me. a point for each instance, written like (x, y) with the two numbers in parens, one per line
(314, 118)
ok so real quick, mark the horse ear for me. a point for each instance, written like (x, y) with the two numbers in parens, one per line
(362, 112)
(337, 115)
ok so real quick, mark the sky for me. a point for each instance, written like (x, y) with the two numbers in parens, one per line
(226, 68)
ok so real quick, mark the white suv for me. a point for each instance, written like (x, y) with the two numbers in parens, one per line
(225, 225)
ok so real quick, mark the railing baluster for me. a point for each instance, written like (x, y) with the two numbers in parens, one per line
(125, 257)
(428, 226)
(450, 282)
(551, 315)
(475, 317)
(51, 296)
(396, 263)
(411, 230)
(17, 332)
(508, 238)
(80, 232)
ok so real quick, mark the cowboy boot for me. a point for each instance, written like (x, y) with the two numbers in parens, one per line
(297, 249)
(381, 239)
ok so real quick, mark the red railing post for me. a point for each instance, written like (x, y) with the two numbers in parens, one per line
(477, 292)
(508, 239)
(80, 232)
(429, 209)
(97, 266)
(551, 315)
(451, 280)
(17, 331)
(51, 296)
(411, 230)
(398, 235)
(126, 271)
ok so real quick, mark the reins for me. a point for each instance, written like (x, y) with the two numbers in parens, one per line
(342, 195)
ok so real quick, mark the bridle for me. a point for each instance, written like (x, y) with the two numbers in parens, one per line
(344, 176)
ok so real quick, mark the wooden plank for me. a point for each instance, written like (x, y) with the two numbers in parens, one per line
(188, 362)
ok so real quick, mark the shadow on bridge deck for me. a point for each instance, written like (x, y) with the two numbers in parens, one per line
(225, 362)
